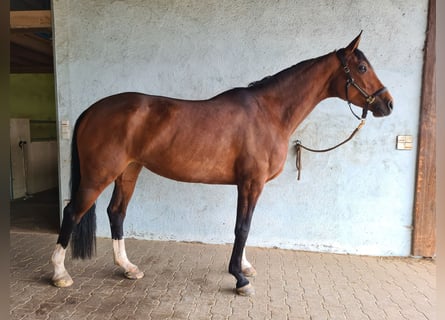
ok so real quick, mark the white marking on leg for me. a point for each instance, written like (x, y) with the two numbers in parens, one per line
(121, 259)
(61, 278)
(247, 268)
(244, 263)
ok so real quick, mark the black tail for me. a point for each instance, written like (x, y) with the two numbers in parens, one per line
(83, 243)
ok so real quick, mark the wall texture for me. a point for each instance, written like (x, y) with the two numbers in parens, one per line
(357, 199)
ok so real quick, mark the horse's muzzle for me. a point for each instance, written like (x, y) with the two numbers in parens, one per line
(389, 107)
(382, 108)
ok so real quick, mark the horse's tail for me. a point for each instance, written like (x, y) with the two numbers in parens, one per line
(83, 243)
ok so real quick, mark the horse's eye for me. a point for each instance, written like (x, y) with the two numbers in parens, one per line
(362, 68)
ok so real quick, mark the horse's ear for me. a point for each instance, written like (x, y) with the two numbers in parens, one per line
(353, 45)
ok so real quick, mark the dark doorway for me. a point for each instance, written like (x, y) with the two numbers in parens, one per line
(36, 212)
(34, 191)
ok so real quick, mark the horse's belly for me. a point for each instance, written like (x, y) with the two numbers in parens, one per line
(193, 169)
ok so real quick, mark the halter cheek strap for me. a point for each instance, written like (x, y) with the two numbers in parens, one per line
(370, 99)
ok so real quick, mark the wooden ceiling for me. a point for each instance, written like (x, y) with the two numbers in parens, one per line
(31, 48)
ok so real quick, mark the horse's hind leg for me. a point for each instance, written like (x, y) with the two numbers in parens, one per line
(72, 214)
(61, 277)
(123, 190)
(246, 267)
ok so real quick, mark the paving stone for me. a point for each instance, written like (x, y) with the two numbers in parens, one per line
(190, 281)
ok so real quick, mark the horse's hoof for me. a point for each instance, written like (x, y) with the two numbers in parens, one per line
(134, 275)
(246, 291)
(63, 283)
(249, 272)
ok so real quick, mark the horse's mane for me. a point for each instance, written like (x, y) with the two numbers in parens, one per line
(275, 78)
(258, 82)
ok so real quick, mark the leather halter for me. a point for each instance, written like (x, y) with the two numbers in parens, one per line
(370, 99)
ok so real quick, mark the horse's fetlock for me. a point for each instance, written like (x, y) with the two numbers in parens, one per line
(242, 283)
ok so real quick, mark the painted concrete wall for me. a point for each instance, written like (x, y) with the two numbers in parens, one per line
(32, 100)
(32, 97)
(357, 199)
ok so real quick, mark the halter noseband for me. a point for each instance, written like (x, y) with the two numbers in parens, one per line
(370, 99)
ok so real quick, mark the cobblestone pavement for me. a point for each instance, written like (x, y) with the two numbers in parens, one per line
(190, 281)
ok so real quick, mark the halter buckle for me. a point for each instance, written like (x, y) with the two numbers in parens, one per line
(370, 100)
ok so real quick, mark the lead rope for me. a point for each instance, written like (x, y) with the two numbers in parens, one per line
(369, 100)
(299, 146)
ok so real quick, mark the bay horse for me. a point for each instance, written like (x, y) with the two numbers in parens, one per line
(239, 137)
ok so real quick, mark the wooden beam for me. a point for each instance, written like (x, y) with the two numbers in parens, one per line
(424, 233)
(30, 20)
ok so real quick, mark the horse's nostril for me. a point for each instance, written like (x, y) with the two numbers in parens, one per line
(390, 106)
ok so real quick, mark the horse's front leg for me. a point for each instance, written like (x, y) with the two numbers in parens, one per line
(248, 193)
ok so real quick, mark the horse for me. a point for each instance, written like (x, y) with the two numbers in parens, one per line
(238, 137)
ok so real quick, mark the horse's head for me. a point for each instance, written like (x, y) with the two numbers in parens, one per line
(357, 82)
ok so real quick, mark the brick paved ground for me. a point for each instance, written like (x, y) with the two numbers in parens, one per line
(190, 281)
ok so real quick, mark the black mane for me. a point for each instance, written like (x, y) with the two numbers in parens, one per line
(273, 79)
(258, 82)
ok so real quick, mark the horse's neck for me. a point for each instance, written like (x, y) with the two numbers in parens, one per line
(297, 90)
